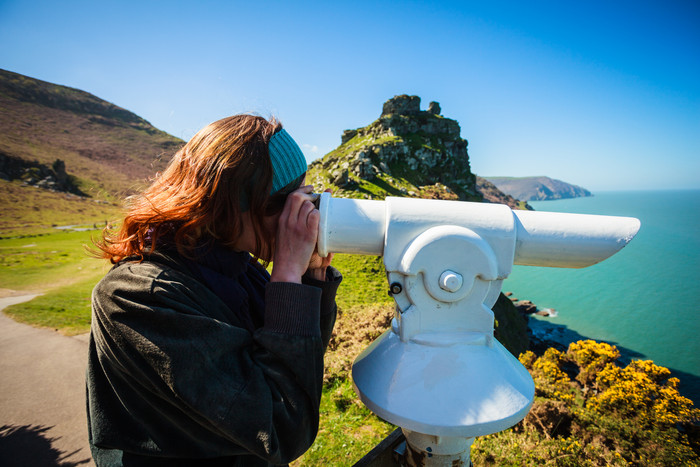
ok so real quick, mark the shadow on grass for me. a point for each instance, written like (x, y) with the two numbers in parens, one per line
(26, 445)
(545, 334)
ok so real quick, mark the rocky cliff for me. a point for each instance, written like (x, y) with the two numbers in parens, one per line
(405, 152)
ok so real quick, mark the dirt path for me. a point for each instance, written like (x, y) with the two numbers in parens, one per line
(42, 395)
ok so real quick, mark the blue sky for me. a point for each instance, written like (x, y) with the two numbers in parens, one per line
(602, 94)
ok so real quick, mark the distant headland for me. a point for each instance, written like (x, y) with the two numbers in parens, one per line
(537, 188)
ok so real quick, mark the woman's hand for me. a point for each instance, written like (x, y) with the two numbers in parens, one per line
(297, 232)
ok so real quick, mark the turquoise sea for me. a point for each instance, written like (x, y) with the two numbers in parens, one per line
(645, 298)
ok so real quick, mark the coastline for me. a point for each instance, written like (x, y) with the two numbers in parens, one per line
(544, 333)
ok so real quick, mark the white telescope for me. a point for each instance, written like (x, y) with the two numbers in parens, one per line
(439, 373)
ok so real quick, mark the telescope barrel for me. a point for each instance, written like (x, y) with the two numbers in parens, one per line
(564, 240)
(351, 226)
(541, 238)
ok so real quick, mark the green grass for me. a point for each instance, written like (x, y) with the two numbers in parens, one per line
(29, 211)
(66, 309)
(46, 262)
(347, 431)
(364, 280)
(57, 265)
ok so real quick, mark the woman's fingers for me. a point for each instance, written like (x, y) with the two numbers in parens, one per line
(295, 201)
(296, 235)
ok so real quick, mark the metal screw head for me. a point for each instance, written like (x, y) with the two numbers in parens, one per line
(451, 281)
(395, 288)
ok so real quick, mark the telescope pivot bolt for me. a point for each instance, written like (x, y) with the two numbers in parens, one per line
(451, 281)
(395, 288)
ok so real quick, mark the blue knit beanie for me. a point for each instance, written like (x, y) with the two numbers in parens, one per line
(288, 162)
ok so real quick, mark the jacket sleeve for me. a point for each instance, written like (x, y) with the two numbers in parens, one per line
(329, 309)
(200, 387)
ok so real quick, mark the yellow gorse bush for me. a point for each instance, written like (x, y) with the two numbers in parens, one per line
(589, 410)
(550, 380)
(642, 390)
(591, 357)
(615, 415)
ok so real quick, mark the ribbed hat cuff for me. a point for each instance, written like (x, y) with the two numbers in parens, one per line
(288, 162)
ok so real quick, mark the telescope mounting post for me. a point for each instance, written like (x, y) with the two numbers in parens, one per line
(439, 373)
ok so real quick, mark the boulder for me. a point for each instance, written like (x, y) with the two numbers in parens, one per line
(347, 136)
(341, 178)
(402, 105)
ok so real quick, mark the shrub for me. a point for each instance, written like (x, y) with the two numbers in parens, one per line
(589, 410)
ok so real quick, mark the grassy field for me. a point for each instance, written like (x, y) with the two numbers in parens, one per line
(58, 266)
(21, 215)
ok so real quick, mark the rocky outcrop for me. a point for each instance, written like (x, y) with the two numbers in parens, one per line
(406, 152)
(33, 173)
(526, 307)
(434, 108)
(510, 326)
(402, 105)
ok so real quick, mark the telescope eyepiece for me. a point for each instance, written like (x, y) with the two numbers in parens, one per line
(316, 199)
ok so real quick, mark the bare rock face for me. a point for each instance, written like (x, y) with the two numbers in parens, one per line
(402, 105)
(54, 178)
(347, 136)
(434, 108)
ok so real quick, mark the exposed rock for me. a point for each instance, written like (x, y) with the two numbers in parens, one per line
(347, 136)
(340, 178)
(59, 170)
(434, 108)
(402, 105)
(547, 312)
(526, 307)
(511, 326)
(39, 175)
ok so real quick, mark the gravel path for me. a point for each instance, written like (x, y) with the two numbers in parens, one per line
(42, 395)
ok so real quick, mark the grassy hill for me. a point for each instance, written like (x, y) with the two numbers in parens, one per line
(107, 151)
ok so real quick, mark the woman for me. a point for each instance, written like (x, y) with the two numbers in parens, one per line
(198, 356)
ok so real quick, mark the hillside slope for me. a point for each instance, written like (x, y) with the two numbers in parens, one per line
(62, 149)
(538, 188)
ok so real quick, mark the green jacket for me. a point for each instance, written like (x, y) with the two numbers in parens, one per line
(176, 377)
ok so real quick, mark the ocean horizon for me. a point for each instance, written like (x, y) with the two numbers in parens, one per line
(642, 299)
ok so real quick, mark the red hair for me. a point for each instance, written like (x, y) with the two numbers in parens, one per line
(222, 171)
